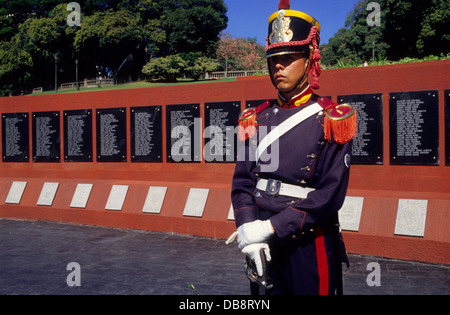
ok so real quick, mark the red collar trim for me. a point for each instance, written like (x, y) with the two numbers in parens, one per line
(298, 100)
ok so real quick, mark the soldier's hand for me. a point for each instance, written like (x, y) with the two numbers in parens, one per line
(254, 232)
(253, 250)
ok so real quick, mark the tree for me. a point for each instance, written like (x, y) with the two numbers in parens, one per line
(35, 43)
(240, 53)
(192, 65)
(15, 67)
(409, 28)
(201, 66)
(357, 41)
(15, 12)
(193, 25)
(116, 38)
(165, 68)
(106, 39)
(197, 64)
(417, 28)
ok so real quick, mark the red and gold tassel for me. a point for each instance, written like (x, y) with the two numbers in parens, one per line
(340, 123)
(247, 124)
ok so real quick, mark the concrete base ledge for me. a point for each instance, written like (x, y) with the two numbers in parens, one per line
(373, 222)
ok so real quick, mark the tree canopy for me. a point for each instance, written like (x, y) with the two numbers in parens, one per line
(408, 28)
(116, 38)
(240, 53)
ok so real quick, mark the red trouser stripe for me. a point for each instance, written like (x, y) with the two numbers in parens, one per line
(322, 262)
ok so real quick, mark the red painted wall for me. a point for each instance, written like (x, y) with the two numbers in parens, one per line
(380, 185)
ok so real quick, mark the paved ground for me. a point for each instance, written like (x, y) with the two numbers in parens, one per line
(34, 257)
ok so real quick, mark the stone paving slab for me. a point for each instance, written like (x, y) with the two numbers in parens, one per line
(34, 256)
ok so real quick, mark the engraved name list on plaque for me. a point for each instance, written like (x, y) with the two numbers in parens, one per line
(15, 139)
(414, 128)
(221, 120)
(183, 134)
(46, 137)
(111, 135)
(77, 135)
(146, 134)
(367, 147)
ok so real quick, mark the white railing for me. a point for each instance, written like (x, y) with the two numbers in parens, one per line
(87, 84)
(38, 90)
(231, 74)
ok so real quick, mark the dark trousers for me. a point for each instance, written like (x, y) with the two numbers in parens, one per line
(307, 265)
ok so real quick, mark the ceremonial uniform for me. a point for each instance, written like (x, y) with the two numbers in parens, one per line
(296, 178)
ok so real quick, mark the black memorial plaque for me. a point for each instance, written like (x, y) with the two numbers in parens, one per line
(183, 134)
(146, 134)
(367, 147)
(15, 137)
(78, 135)
(111, 135)
(414, 128)
(447, 126)
(221, 120)
(46, 137)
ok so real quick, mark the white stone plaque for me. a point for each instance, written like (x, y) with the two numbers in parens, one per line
(16, 192)
(154, 200)
(116, 197)
(411, 217)
(81, 196)
(195, 204)
(48, 193)
(231, 214)
(350, 213)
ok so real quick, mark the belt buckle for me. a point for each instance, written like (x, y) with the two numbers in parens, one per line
(273, 187)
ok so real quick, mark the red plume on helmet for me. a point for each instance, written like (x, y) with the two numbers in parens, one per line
(284, 5)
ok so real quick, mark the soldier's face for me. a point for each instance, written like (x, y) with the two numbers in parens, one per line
(287, 71)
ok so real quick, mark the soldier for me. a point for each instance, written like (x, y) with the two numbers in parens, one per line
(290, 212)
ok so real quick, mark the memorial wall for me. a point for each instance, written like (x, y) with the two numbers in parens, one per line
(162, 158)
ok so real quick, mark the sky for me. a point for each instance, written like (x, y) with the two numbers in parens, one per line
(249, 18)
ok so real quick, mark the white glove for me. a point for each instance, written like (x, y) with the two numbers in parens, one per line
(254, 232)
(253, 250)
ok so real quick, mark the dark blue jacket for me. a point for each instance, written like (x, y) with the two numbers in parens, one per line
(305, 159)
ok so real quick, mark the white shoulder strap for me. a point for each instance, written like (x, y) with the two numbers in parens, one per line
(285, 126)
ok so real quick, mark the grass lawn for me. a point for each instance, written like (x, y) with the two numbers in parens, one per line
(135, 85)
